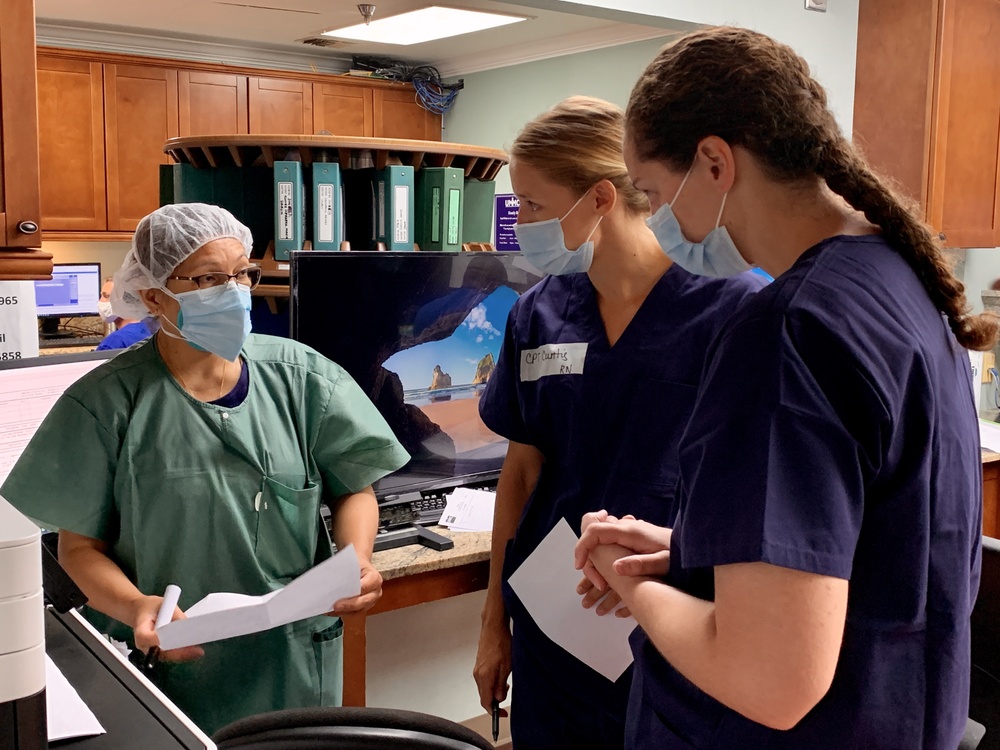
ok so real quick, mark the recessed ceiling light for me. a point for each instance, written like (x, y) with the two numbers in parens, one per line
(424, 25)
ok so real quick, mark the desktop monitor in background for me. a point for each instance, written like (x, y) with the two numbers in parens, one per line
(420, 333)
(28, 389)
(73, 291)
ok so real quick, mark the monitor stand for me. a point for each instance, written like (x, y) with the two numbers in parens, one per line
(411, 535)
(50, 329)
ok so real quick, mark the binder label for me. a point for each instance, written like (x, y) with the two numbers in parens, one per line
(324, 218)
(401, 214)
(436, 214)
(381, 209)
(454, 214)
(286, 200)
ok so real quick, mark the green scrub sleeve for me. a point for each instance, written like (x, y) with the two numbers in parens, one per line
(354, 446)
(64, 479)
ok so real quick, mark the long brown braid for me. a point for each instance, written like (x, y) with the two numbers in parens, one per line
(756, 93)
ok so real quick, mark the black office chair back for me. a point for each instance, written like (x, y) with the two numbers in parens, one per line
(984, 699)
(347, 729)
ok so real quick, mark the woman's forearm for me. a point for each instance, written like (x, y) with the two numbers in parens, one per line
(518, 478)
(355, 521)
(105, 585)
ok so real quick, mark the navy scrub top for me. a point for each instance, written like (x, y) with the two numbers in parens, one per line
(835, 434)
(607, 420)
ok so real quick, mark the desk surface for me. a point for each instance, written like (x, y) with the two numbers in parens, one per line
(470, 547)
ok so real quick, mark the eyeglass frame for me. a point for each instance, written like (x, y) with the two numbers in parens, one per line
(229, 277)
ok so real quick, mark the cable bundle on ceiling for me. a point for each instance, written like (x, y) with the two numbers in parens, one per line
(432, 94)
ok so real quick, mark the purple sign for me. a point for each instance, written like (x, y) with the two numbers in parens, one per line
(505, 219)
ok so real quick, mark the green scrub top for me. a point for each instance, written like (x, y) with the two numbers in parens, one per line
(213, 499)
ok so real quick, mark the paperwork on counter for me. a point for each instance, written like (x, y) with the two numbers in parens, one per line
(989, 435)
(66, 714)
(224, 615)
(546, 585)
(469, 510)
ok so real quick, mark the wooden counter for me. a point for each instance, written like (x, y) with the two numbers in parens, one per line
(991, 494)
(414, 575)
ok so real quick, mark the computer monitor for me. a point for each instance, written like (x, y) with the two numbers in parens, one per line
(28, 389)
(420, 332)
(74, 289)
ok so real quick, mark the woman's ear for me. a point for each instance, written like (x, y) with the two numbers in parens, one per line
(153, 300)
(718, 156)
(606, 195)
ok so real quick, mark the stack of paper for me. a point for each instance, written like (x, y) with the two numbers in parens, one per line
(469, 510)
(989, 435)
(225, 615)
(66, 714)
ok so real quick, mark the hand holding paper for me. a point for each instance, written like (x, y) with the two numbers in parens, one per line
(226, 615)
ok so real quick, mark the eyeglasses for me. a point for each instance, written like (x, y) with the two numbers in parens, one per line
(249, 276)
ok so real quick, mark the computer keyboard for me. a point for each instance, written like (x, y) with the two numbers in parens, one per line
(69, 341)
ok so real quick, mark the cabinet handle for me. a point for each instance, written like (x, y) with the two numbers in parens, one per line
(27, 227)
(942, 236)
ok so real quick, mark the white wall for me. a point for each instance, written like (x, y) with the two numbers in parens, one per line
(828, 41)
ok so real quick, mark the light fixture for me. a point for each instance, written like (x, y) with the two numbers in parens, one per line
(367, 11)
(423, 25)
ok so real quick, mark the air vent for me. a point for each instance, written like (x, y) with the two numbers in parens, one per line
(319, 41)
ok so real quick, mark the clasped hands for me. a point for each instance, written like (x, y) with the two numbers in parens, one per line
(611, 549)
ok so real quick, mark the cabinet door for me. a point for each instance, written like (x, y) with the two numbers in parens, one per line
(967, 121)
(18, 127)
(140, 106)
(280, 106)
(71, 144)
(212, 103)
(342, 109)
(397, 115)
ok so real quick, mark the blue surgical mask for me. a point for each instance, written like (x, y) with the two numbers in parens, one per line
(716, 255)
(215, 320)
(544, 246)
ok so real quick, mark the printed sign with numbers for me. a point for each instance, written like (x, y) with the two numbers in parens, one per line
(18, 320)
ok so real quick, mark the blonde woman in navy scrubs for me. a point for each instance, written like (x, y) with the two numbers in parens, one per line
(593, 386)
(825, 558)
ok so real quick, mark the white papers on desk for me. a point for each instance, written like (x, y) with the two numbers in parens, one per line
(224, 615)
(66, 714)
(546, 585)
(469, 510)
(989, 435)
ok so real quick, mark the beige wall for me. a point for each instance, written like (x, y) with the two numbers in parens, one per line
(109, 254)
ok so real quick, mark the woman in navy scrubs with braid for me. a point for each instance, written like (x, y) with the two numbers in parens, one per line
(815, 589)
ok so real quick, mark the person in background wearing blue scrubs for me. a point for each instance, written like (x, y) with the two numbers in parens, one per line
(594, 383)
(824, 563)
(127, 332)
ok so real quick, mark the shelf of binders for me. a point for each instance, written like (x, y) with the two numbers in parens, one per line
(478, 162)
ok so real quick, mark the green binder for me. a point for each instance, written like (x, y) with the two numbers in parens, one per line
(327, 206)
(289, 208)
(439, 198)
(394, 198)
(477, 214)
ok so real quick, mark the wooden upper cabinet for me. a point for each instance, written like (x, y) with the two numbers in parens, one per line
(280, 106)
(212, 103)
(964, 182)
(927, 108)
(19, 201)
(397, 115)
(140, 104)
(71, 144)
(342, 109)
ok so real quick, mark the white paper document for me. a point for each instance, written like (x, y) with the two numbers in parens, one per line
(67, 716)
(469, 510)
(989, 435)
(225, 615)
(546, 585)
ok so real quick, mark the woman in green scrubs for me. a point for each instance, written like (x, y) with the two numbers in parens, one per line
(200, 458)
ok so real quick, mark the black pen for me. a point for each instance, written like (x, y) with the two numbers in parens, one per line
(152, 657)
(163, 616)
(496, 719)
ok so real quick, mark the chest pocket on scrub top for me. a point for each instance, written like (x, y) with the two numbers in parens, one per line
(287, 528)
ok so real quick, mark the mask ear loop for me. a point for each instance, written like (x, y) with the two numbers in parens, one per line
(684, 182)
(718, 219)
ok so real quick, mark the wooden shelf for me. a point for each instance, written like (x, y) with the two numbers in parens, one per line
(207, 151)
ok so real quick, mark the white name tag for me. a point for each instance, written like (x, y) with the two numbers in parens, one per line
(553, 359)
